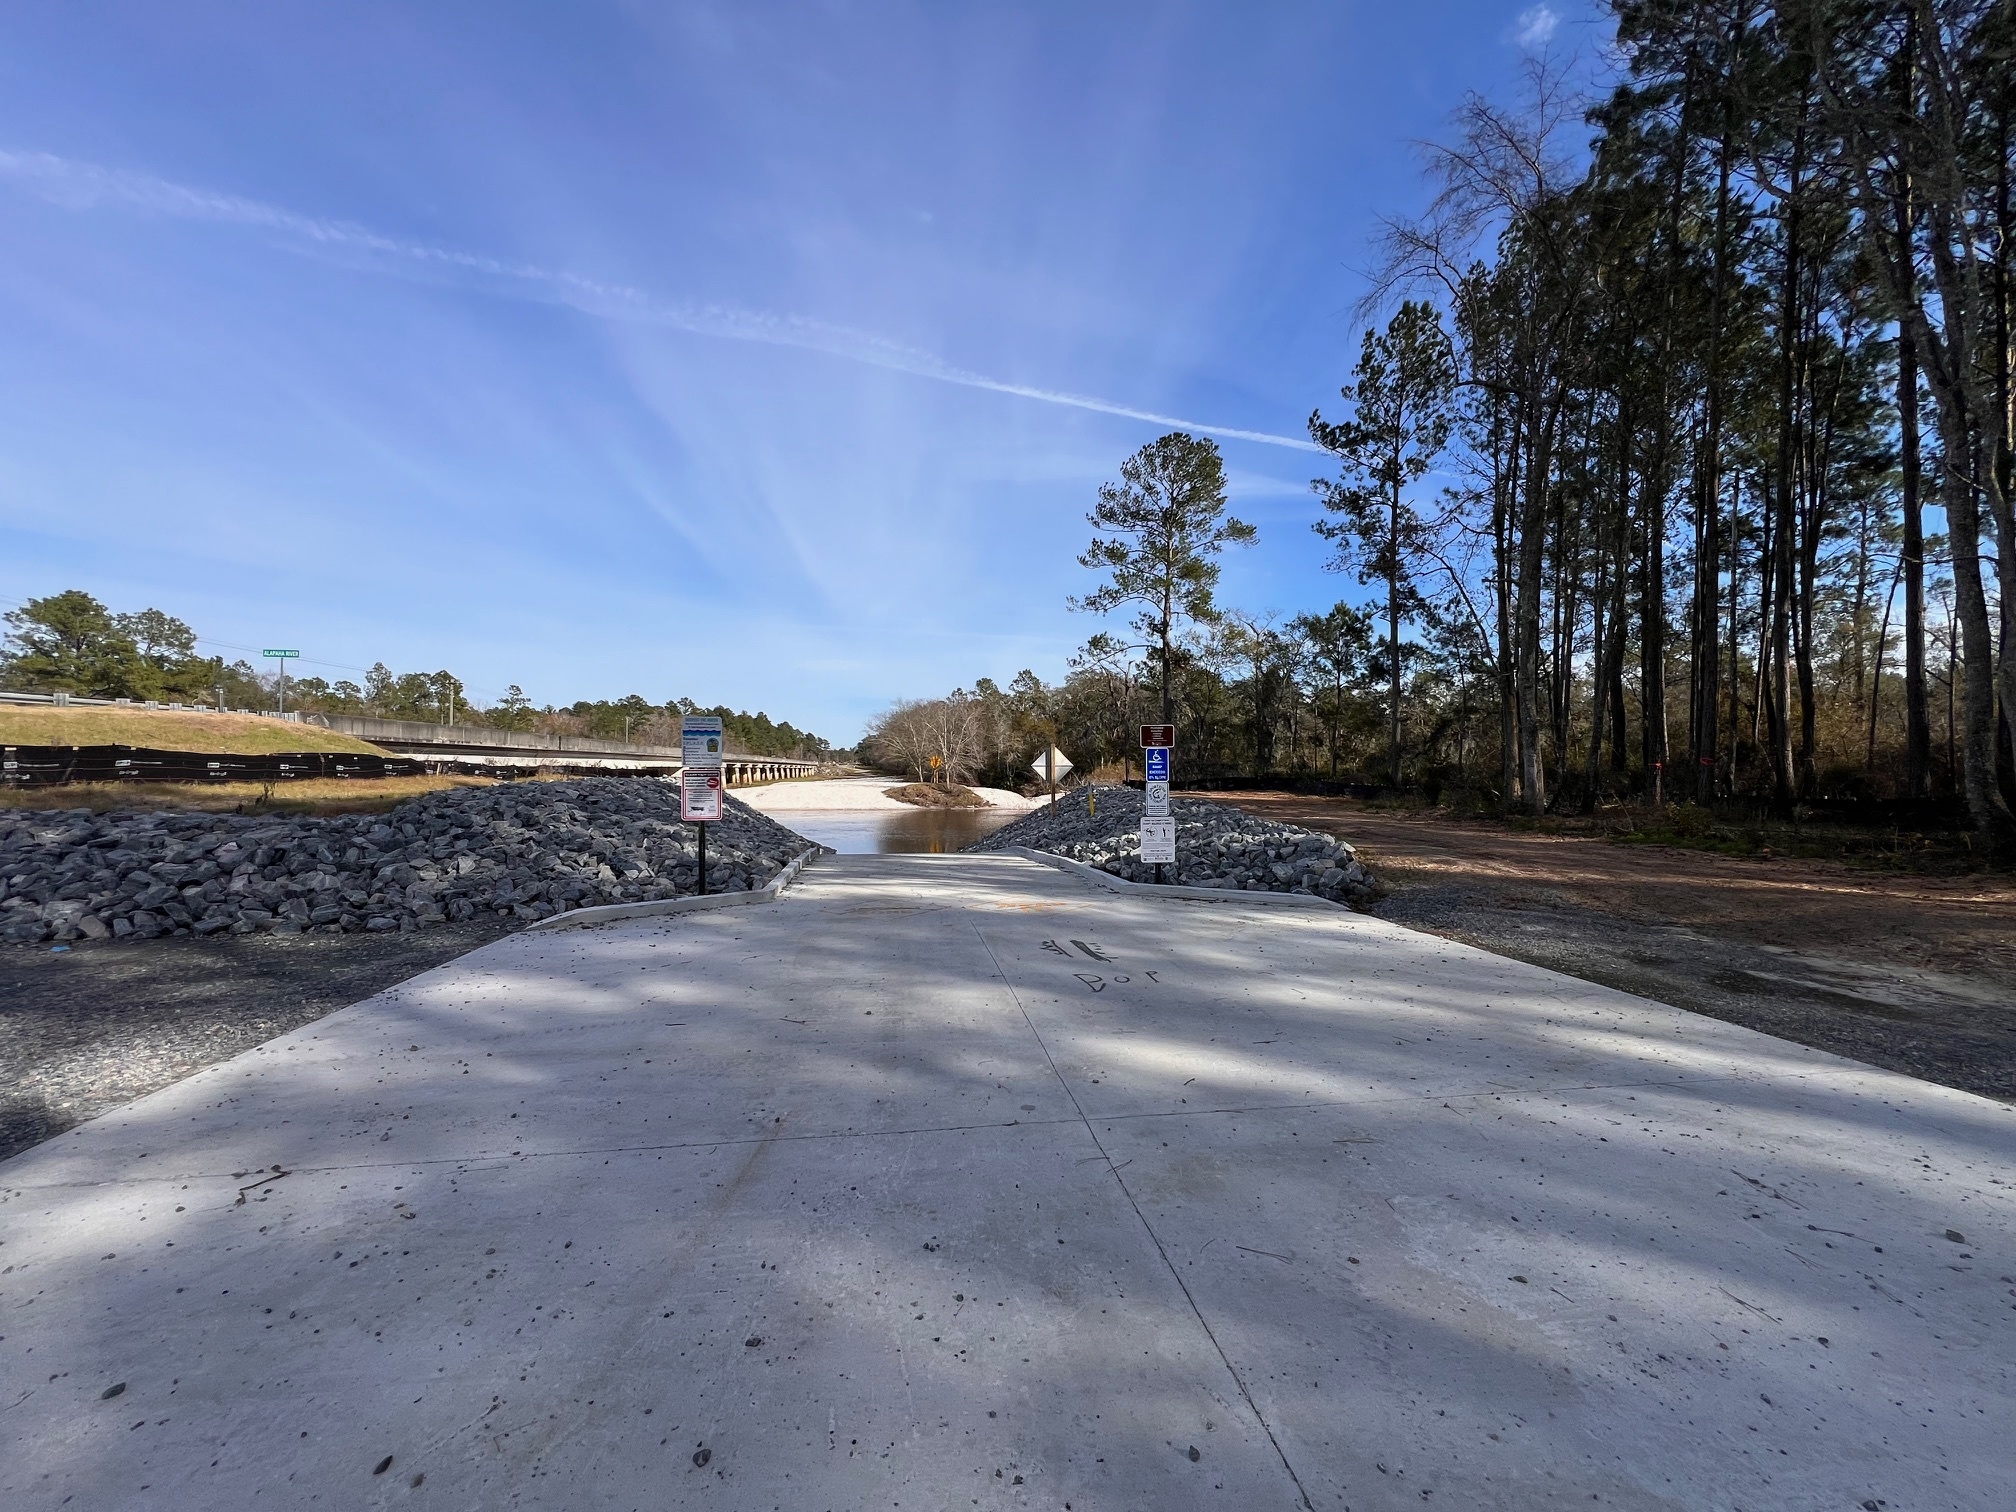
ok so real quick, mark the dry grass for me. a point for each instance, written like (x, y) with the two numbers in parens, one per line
(934, 795)
(310, 795)
(170, 730)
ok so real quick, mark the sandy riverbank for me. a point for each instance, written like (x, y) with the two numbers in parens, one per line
(859, 793)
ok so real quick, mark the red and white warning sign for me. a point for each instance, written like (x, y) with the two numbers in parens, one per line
(699, 796)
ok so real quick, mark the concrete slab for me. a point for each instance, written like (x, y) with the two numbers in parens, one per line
(958, 1182)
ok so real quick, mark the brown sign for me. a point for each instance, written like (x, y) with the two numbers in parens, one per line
(1157, 735)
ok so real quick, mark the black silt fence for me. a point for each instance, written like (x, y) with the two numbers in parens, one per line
(49, 766)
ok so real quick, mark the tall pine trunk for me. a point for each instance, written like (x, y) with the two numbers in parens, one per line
(1706, 735)
(1917, 720)
(1917, 717)
(1393, 622)
(1508, 676)
(1784, 507)
(1652, 640)
(1532, 544)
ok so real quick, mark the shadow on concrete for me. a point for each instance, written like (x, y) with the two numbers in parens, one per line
(913, 1179)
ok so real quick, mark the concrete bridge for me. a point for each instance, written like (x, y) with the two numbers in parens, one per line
(479, 746)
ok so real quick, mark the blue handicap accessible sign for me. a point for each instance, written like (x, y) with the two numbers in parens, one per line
(1158, 763)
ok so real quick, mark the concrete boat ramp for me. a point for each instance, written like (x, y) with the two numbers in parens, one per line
(953, 1182)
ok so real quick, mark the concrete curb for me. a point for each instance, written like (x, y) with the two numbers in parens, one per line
(1112, 883)
(610, 913)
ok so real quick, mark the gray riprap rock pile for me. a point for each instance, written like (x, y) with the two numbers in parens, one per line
(1217, 845)
(529, 849)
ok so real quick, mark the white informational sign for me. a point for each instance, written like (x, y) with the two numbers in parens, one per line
(1051, 765)
(700, 742)
(1155, 799)
(699, 796)
(1158, 842)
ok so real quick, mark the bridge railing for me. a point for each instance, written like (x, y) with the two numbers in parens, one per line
(478, 746)
(482, 746)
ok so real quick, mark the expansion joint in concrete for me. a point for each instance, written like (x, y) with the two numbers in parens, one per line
(1147, 1228)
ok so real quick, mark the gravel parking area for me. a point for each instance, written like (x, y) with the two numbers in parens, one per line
(181, 939)
(89, 1027)
(1909, 972)
(1935, 1026)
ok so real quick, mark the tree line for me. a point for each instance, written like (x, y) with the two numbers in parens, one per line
(70, 642)
(1700, 383)
(1645, 468)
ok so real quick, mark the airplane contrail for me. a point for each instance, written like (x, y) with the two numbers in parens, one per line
(81, 186)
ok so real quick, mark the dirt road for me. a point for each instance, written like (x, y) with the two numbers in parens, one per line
(1914, 973)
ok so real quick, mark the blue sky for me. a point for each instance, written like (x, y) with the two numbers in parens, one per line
(760, 354)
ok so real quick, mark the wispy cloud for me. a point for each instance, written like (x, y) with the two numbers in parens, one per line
(1536, 26)
(83, 186)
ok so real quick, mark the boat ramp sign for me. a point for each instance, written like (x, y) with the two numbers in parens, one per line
(699, 797)
(1158, 830)
(700, 742)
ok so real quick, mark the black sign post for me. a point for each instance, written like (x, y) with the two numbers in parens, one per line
(701, 778)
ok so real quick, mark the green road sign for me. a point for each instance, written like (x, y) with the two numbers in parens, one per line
(279, 653)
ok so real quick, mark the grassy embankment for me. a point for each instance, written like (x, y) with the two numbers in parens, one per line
(170, 730)
(215, 734)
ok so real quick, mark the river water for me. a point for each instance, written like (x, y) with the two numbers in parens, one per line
(867, 832)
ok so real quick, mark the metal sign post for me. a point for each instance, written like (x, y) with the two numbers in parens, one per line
(1158, 829)
(1051, 765)
(700, 803)
(700, 778)
(283, 655)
